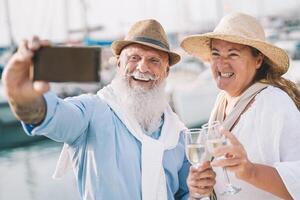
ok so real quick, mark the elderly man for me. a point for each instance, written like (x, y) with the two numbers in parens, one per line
(123, 143)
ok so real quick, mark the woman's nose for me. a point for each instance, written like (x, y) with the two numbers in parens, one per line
(223, 61)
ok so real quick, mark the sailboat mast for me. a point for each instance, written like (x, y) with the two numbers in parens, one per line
(66, 18)
(84, 18)
(8, 23)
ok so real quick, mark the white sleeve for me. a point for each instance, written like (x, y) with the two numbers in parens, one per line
(286, 120)
(289, 165)
(289, 150)
(290, 174)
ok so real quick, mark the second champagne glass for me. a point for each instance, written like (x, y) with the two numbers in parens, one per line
(195, 141)
(215, 139)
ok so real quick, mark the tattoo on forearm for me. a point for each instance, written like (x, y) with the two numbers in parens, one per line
(31, 113)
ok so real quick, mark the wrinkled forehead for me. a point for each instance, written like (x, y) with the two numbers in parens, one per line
(143, 50)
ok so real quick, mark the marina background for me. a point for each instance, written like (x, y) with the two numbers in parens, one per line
(27, 163)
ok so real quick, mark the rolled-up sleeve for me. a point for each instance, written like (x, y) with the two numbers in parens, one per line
(66, 119)
(51, 102)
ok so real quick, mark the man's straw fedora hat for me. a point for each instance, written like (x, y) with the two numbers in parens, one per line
(242, 29)
(149, 33)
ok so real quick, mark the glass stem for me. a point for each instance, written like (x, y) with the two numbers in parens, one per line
(226, 176)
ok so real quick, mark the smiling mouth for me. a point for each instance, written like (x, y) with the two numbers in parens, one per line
(137, 76)
(141, 79)
(226, 74)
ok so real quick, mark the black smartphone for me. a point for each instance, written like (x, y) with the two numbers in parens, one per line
(67, 64)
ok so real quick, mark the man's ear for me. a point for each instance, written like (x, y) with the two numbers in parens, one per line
(118, 61)
(114, 60)
(167, 71)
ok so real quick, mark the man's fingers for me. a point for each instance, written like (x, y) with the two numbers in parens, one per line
(200, 168)
(22, 48)
(23, 53)
(209, 173)
(202, 183)
(45, 43)
(195, 191)
(25, 56)
(23, 44)
(34, 43)
(201, 179)
(41, 86)
(205, 165)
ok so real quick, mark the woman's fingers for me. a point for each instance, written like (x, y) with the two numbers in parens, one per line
(226, 162)
(233, 150)
(229, 136)
(230, 152)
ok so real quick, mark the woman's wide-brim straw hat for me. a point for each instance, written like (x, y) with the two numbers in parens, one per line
(242, 29)
(149, 33)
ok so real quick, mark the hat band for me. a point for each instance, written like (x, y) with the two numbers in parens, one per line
(151, 41)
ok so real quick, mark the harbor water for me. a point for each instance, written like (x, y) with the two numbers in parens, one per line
(25, 173)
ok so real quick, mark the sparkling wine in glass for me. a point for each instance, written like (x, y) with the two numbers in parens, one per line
(215, 140)
(195, 141)
(195, 153)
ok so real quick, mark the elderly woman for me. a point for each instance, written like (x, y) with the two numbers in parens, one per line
(258, 108)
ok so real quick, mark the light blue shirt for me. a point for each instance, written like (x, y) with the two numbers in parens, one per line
(105, 155)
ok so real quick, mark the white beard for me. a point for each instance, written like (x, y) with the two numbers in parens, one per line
(144, 105)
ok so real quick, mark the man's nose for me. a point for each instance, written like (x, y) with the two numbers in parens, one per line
(142, 66)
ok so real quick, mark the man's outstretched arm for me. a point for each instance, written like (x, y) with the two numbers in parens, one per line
(25, 96)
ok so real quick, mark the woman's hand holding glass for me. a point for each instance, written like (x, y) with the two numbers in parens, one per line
(216, 141)
(236, 158)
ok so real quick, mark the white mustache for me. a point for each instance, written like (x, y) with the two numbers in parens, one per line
(142, 76)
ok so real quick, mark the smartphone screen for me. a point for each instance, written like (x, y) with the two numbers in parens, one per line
(67, 64)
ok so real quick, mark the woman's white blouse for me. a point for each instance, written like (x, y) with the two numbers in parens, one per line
(270, 133)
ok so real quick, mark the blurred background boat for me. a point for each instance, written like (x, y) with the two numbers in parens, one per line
(11, 132)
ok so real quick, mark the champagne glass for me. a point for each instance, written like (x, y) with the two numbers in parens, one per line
(214, 140)
(195, 141)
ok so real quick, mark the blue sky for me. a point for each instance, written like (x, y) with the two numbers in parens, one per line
(47, 18)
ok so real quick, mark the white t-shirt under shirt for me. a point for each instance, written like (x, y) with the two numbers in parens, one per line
(270, 133)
